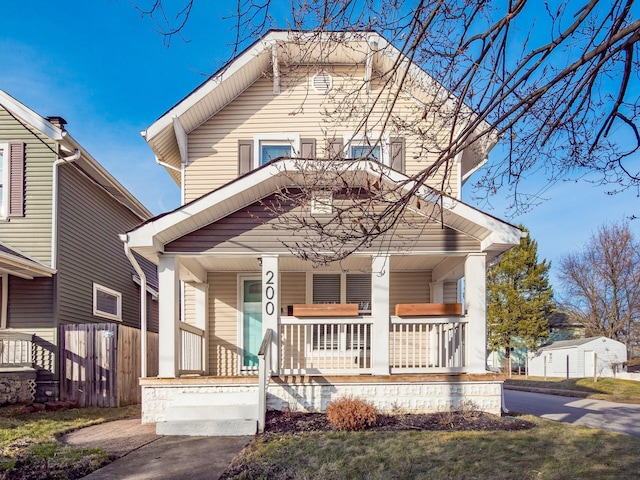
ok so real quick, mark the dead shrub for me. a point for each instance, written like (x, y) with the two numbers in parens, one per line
(351, 414)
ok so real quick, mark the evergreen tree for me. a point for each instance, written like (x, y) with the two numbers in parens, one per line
(520, 299)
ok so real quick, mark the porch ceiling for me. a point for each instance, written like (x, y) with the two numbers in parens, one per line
(288, 263)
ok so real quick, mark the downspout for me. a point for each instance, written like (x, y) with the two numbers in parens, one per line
(54, 206)
(143, 305)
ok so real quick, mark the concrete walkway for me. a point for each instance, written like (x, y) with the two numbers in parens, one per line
(145, 455)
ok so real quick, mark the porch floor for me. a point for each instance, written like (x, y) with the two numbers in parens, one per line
(324, 379)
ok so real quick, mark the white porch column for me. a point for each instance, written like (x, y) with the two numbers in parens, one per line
(202, 319)
(475, 299)
(169, 316)
(271, 304)
(380, 266)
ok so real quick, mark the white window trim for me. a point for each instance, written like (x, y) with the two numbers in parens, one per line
(99, 313)
(4, 148)
(376, 138)
(292, 139)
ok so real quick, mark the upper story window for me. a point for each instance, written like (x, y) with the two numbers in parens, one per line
(3, 179)
(12, 179)
(268, 147)
(374, 146)
(107, 303)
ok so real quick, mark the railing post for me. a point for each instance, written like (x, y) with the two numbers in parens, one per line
(264, 372)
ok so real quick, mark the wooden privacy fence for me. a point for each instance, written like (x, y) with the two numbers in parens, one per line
(101, 364)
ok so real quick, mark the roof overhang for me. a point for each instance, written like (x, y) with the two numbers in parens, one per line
(149, 239)
(307, 48)
(16, 263)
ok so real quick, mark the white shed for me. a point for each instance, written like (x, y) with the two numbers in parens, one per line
(581, 358)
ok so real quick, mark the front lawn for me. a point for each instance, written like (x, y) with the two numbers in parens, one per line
(549, 451)
(29, 447)
(611, 389)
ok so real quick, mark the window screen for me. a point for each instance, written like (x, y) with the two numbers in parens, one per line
(326, 288)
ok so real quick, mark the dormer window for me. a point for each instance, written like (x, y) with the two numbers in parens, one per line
(365, 151)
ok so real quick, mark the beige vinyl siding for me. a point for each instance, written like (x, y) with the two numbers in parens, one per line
(293, 289)
(223, 323)
(189, 305)
(31, 234)
(89, 250)
(30, 303)
(213, 147)
(450, 292)
(252, 229)
(408, 287)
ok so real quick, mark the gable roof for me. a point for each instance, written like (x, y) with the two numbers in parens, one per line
(166, 136)
(495, 236)
(86, 163)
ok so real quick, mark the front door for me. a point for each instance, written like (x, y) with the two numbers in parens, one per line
(251, 322)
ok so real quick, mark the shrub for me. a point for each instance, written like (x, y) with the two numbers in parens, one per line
(351, 414)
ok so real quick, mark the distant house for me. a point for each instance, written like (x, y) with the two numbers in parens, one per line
(579, 358)
(387, 323)
(61, 260)
(563, 326)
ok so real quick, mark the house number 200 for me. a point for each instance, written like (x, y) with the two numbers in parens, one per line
(269, 293)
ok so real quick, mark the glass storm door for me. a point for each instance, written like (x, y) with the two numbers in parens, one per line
(251, 322)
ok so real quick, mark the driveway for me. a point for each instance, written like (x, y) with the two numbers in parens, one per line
(616, 417)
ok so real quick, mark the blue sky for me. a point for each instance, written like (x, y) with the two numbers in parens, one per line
(106, 70)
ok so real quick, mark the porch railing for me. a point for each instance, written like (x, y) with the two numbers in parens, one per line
(325, 345)
(16, 349)
(427, 345)
(192, 350)
(264, 375)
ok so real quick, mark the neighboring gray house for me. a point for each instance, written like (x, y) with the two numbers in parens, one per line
(61, 260)
(582, 357)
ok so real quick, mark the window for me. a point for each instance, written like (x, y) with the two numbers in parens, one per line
(368, 146)
(107, 303)
(330, 288)
(4, 174)
(268, 147)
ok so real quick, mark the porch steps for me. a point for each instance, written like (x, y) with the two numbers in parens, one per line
(208, 428)
(210, 420)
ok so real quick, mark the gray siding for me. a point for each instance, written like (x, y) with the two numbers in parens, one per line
(31, 234)
(30, 303)
(255, 229)
(89, 250)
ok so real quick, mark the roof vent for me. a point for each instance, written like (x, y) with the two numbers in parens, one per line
(322, 82)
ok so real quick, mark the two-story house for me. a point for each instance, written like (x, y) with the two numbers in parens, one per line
(247, 319)
(61, 260)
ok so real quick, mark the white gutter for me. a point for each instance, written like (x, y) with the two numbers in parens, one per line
(143, 305)
(54, 205)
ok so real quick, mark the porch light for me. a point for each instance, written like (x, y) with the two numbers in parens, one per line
(260, 261)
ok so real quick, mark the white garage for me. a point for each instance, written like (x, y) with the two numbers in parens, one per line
(583, 357)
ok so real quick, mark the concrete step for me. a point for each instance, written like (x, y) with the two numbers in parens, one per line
(212, 412)
(217, 398)
(208, 428)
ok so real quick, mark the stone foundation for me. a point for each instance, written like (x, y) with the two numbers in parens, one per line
(161, 395)
(17, 387)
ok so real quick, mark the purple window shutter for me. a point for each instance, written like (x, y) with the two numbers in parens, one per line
(16, 179)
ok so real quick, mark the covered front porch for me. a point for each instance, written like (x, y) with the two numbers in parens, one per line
(373, 315)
